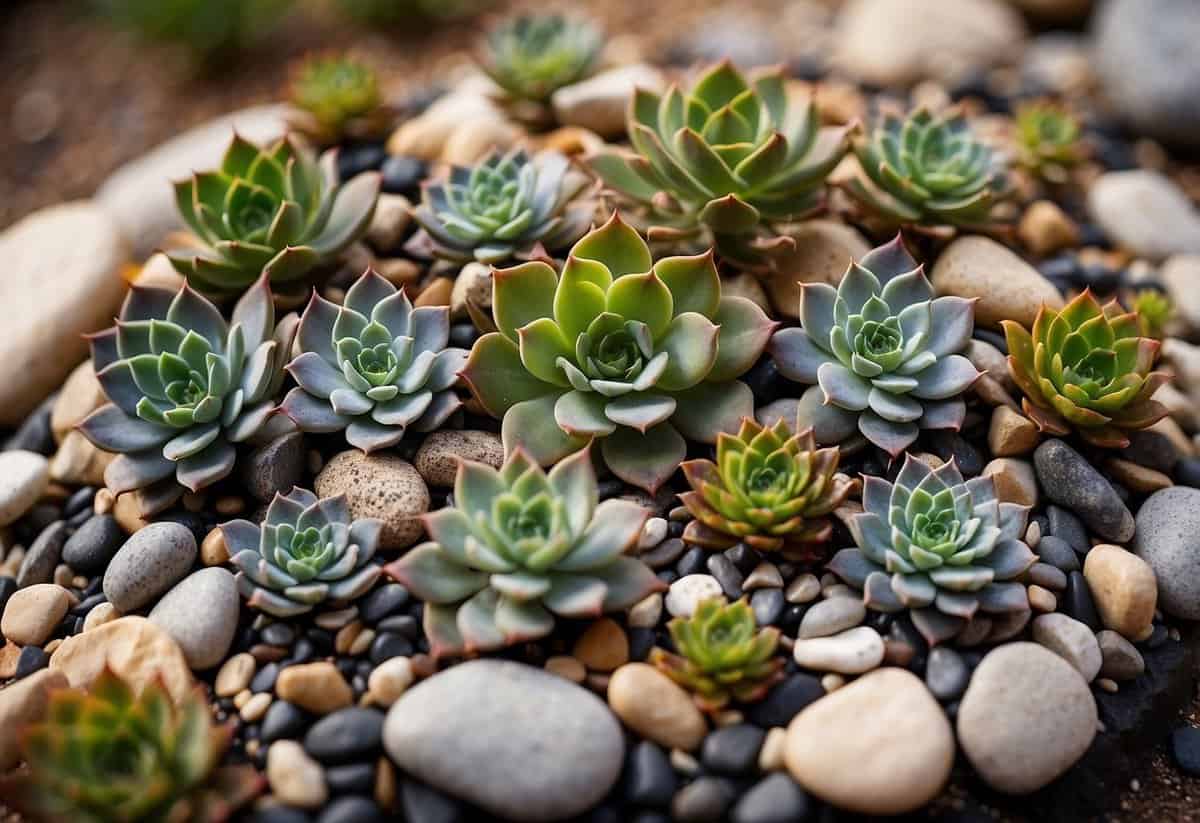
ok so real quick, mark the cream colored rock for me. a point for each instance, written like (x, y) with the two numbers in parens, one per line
(78, 463)
(1145, 212)
(22, 702)
(1125, 590)
(651, 704)
(1071, 640)
(426, 135)
(1015, 480)
(880, 745)
(1011, 434)
(390, 679)
(157, 272)
(472, 285)
(853, 651)
(98, 615)
(133, 647)
(80, 396)
(295, 778)
(601, 102)
(393, 214)
(438, 457)
(1045, 228)
(824, 250)
(378, 485)
(23, 477)
(234, 675)
(61, 280)
(316, 687)
(1008, 288)
(473, 140)
(32, 613)
(1181, 275)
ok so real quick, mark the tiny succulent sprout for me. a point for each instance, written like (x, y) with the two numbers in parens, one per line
(114, 755)
(183, 387)
(943, 547)
(723, 655)
(518, 547)
(1154, 310)
(306, 552)
(373, 367)
(508, 206)
(1086, 368)
(927, 170)
(274, 211)
(723, 161)
(883, 349)
(1047, 141)
(770, 489)
(338, 96)
(531, 56)
(635, 353)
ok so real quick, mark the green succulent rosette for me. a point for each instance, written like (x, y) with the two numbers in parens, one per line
(724, 162)
(722, 655)
(531, 56)
(307, 552)
(927, 170)
(112, 755)
(1047, 141)
(617, 347)
(1088, 369)
(769, 488)
(883, 349)
(941, 546)
(373, 367)
(340, 96)
(520, 547)
(273, 211)
(184, 387)
(505, 207)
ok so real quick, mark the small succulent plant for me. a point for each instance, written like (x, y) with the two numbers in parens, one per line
(184, 386)
(1047, 141)
(1086, 368)
(374, 366)
(883, 348)
(723, 655)
(1153, 309)
(617, 347)
(340, 96)
(769, 488)
(723, 162)
(938, 545)
(927, 170)
(530, 56)
(306, 552)
(506, 207)
(112, 755)
(274, 211)
(518, 547)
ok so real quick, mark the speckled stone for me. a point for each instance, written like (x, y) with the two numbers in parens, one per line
(382, 486)
(152, 560)
(437, 458)
(1168, 538)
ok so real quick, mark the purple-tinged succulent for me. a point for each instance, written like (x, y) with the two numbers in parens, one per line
(374, 366)
(184, 386)
(882, 349)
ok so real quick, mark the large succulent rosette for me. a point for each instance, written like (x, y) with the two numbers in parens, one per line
(883, 349)
(184, 386)
(1086, 368)
(938, 545)
(635, 353)
(373, 367)
(724, 161)
(519, 547)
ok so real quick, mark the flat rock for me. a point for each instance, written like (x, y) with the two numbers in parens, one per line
(1027, 716)
(23, 478)
(1124, 588)
(382, 486)
(32, 613)
(22, 702)
(1168, 538)
(1070, 481)
(651, 704)
(1006, 286)
(139, 195)
(1146, 213)
(201, 614)
(133, 647)
(438, 457)
(512, 739)
(61, 281)
(880, 745)
(837, 614)
(850, 652)
(150, 562)
(899, 42)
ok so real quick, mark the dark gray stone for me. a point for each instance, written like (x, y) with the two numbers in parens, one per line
(1067, 479)
(1058, 553)
(92, 546)
(43, 556)
(774, 799)
(275, 467)
(1067, 527)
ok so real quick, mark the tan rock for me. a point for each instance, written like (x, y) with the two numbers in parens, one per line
(880, 745)
(32, 613)
(1015, 480)
(601, 102)
(98, 615)
(1011, 434)
(438, 457)
(472, 285)
(1045, 228)
(1008, 288)
(393, 214)
(295, 778)
(78, 463)
(824, 250)
(603, 646)
(426, 135)
(133, 647)
(1124, 588)
(214, 551)
(9, 657)
(390, 679)
(650, 703)
(127, 511)
(157, 272)
(382, 486)
(23, 702)
(436, 292)
(316, 687)
(1137, 477)
(80, 396)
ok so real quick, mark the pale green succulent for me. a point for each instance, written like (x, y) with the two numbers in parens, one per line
(531, 56)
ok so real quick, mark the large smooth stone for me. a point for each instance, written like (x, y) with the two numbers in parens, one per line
(1026, 717)
(1007, 287)
(880, 745)
(824, 250)
(517, 741)
(23, 477)
(61, 281)
(133, 647)
(152, 560)
(1146, 213)
(1070, 481)
(201, 614)
(1168, 538)
(382, 486)
(139, 195)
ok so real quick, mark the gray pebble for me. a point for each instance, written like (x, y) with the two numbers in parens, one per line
(43, 556)
(92, 546)
(151, 561)
(201, 615)
(1067, 527)
(275, 467)
(1070, 481)
(828, 617)
(946, 674)
(1122, 660)
(1058, 553)
(1168, 538)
